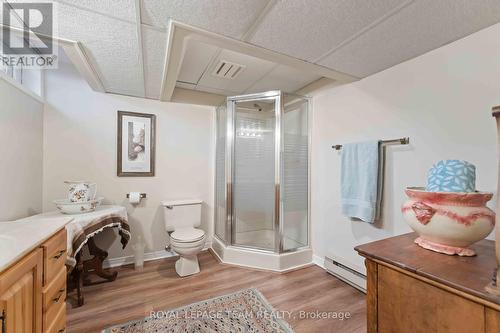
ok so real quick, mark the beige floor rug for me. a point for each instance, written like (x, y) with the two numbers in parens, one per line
(243, 311)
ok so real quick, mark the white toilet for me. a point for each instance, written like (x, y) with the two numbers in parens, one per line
(181, 219)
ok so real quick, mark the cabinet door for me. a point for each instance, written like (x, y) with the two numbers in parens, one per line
(20, 295)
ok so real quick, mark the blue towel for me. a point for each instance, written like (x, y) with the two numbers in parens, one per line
(359, 180)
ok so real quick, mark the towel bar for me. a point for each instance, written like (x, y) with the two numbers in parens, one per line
(402, 141)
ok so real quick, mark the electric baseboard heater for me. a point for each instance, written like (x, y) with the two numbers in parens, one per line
(346, 273)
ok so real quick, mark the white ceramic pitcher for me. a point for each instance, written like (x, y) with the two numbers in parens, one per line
(81, 191)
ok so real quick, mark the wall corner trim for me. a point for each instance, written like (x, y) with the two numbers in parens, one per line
(318, 261)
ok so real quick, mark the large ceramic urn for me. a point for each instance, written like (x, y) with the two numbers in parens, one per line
(448, 222)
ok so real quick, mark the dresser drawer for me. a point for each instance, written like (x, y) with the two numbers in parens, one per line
(58, 325)
(53, 296)
(406, 304)
(54, 256)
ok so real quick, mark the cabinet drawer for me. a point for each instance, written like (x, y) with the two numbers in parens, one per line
(54, 256)
(492, 320)
(58, 325)
(406, 304)
(53, 296)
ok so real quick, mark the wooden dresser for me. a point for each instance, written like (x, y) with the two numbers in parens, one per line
(410, 289)
(33, 290)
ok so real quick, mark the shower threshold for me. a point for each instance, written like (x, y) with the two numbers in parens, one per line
(261, 259)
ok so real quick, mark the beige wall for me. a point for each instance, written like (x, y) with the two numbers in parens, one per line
(441, 100)
(21, 132)
(80, 143)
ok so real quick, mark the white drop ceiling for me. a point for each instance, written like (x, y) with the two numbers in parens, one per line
(125, 40)
(230, 18)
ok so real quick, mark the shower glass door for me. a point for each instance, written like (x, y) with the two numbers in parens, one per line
(220, 175)
(254, 169)
(295, 173)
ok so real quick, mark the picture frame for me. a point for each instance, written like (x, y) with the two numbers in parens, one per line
(136, 144)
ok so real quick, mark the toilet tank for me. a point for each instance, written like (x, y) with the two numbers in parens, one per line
(182, 213)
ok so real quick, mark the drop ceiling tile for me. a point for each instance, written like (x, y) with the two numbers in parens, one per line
(154, 46)
(254, 70)
(308, 29)
(283, 78)
(227, 17)
(196, 59)
(120, 9)
(422, 26)
(112, 46)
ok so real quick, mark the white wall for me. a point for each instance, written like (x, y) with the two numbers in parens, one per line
(80, 143)
(21, 132)
(441, 100)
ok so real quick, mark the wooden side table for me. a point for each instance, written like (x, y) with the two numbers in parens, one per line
(81, 233)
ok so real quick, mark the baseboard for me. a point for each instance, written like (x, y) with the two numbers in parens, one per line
(149, 256)
(121, 261)
(318, 261)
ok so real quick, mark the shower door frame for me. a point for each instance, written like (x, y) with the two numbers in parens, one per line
(230, 225)
(275, 96)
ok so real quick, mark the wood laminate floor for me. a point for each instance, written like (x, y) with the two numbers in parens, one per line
(134, 294)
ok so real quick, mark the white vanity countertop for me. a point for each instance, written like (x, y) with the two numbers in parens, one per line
(18, 238)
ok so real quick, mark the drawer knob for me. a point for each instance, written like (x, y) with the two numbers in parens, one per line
(61, 292)
(62, 330)
(59, 254)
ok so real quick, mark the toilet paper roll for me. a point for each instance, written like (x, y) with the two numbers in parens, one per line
(134, 197)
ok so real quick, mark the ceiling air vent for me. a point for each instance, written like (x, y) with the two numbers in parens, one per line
(227, 70)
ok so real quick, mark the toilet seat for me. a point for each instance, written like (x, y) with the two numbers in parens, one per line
(187, 235)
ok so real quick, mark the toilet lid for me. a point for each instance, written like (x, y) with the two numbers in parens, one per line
(187, 234)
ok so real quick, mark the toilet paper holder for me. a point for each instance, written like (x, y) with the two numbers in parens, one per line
(143, 195)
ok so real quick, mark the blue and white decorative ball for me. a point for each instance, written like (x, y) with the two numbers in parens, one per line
(452, 176)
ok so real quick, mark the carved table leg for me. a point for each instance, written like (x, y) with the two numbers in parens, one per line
(78, 279)
(95, 264)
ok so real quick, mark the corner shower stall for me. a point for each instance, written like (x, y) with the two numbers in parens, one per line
(262, 181)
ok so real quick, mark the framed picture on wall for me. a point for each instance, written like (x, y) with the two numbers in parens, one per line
(136, 144)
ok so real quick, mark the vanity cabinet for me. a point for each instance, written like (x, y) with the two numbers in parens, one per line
(410, 289)
(33, 290)
(21, 295)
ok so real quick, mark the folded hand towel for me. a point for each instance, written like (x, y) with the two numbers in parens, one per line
(360, 180)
